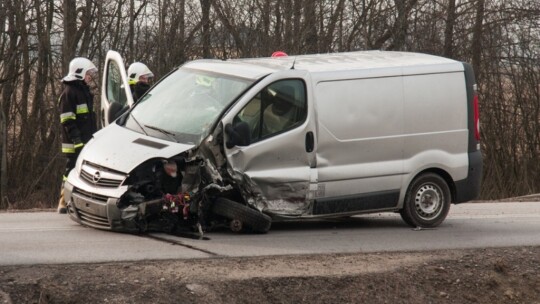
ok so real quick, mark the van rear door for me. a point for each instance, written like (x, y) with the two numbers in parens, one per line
(277, 165)
(115, 92)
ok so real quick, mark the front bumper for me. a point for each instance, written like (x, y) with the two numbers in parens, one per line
(94, 206)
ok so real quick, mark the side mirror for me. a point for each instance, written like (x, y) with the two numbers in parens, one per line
(116, 110)
(238, 135)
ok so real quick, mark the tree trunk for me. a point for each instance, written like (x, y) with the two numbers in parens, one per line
(277, 27)
(337, 15)
(476, 47)
(402, 24)
(448, 50)
(131, 34)
(288, 34)
(205, 6)
(7, 91)
(296, 28)
(3, 160)
(69, 46)
(310, 17)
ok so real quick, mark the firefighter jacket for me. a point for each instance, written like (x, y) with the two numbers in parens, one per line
(138, 89)
(77, 115)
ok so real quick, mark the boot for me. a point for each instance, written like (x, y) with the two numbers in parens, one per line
(62, 208)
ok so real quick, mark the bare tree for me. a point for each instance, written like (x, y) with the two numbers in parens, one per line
(310, 28)
(70, 33)
(205, 7)
(449, 29)
(38, 39)
(476, 46)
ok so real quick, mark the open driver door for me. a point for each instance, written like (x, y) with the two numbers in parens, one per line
(116, 95)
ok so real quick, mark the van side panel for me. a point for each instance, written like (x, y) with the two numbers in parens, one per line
(359, 143)
(375, 135)
(435, 125)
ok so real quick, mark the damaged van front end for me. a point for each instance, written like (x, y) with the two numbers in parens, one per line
(164, 193)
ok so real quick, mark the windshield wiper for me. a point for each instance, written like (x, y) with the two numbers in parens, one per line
(169, 134)
(131, 114)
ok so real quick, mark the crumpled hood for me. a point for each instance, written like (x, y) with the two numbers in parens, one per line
(121, 149)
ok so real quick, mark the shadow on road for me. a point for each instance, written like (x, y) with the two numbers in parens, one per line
(357, 222)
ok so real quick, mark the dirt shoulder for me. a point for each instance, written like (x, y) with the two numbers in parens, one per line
(499, 275)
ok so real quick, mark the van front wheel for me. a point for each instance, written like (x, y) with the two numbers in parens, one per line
(427, 201)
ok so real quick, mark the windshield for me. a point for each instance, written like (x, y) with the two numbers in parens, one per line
(183, 106)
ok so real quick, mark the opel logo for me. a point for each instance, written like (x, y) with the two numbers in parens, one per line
(96, 177)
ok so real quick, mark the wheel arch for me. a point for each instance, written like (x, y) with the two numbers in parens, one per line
(442, 173)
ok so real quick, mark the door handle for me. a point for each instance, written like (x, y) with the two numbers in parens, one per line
(310, 142)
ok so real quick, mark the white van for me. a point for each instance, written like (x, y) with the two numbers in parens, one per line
(250, 141)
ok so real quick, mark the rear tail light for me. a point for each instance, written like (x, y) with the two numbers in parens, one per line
(476, 115)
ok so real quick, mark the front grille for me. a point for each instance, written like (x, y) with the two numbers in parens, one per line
(103, 182)
(93, 220)
(90, 195)
(93, 174)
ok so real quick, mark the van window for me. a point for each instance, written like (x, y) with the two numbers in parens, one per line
(115, 88)
(279, 107)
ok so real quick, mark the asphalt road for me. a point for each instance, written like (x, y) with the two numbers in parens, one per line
(28, 238)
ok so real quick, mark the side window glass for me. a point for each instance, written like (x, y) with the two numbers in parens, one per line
(115, 87)
(278, 108)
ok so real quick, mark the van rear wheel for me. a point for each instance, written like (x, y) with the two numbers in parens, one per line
(241, 216)
(427, 201)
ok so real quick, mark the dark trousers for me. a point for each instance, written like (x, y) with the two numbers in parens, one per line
(71, 161)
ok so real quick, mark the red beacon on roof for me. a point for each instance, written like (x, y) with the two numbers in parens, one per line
(279, 54)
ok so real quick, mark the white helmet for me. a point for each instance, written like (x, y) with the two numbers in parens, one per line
(78, 67)
(136, 70)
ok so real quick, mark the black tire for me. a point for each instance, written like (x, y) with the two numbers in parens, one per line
(257, 221)
(427, 201)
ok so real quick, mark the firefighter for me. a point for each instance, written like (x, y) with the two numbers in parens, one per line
(77, 114)
(140, 79)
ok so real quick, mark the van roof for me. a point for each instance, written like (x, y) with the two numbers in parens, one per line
(368, 63)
